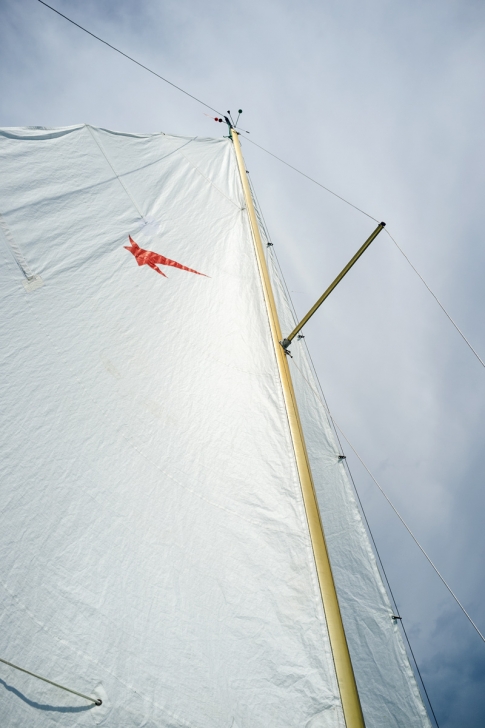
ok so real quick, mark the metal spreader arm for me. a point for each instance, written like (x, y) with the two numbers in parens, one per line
(286, 342)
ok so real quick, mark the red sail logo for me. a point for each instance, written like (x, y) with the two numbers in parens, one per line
(153, 260)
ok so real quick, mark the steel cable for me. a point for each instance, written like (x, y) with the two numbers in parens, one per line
(437, 300)
(327, 189)
(154, 73)
(311, 179)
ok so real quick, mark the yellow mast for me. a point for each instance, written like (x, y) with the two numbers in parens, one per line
(338, 642)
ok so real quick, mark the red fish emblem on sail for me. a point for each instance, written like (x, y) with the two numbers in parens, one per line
(153, 260)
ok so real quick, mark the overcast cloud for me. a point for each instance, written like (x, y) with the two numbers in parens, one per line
(383, 102)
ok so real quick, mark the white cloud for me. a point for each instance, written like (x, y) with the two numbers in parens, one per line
(383, 102)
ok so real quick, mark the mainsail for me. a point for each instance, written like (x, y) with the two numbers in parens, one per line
(155, 547)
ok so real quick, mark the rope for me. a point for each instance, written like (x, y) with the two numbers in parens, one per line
(321, 396)
(392, 506)
(154, 73)
(327, 189)
(96, 701)
(412, 534)
(393, 240)
(351, 205)
(337, 428)
(393, 598)
(412, 653)
(437, 300)
(391, 237)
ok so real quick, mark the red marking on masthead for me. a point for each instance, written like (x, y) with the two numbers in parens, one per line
(153, 260)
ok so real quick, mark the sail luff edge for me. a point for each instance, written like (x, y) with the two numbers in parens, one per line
(338, 642)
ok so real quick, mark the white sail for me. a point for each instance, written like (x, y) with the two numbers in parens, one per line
(155, 548)
(386, 684)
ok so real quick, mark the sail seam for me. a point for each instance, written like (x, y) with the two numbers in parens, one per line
(208, 179)
(413, 536)
(32, 281)
(320, 396)
(343, 666)
(389, 597)
(101, 149)
(304, 519)
(394, 508)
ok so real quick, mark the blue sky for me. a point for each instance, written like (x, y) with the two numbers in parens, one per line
(383, 102)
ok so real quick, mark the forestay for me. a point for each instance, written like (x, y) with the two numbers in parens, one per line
(154, 545)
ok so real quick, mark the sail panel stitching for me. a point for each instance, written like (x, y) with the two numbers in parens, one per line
(412, 535)
(321, 397)
(208, 179)
(19, 258)
(101, 149)
(327, 189)
(32, 281)
(395, 510)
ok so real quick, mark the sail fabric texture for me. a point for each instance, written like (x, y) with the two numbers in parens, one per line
(387, 687)
(154, 545)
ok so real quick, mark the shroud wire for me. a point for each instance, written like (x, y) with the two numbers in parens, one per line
(311, 179)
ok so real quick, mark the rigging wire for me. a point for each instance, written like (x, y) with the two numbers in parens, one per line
(320, 395)
(324, 403)
(336, 426)
(411, 533)
(347, 467)
(437, 300)
(327, 189)
(311, 179)
(131, 59)
(412, 653)
(393, 598)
